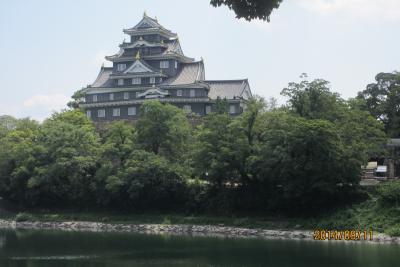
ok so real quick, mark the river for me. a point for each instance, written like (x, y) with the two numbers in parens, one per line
(71, 249)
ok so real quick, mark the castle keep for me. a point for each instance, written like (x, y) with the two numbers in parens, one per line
(152, 65)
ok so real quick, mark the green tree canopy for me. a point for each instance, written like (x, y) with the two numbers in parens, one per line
(20, 154)
(250, 9)
(162, 128)
(69, 160)
(382, 100)
(313, 100)
(146, 181)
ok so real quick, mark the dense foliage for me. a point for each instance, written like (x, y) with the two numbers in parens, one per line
(382, 100)
(250, 9)
(303, 156)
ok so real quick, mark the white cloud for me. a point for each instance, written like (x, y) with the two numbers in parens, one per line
(47, 102)
(367, 9)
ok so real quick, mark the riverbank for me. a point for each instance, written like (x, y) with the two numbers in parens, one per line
(192, 230)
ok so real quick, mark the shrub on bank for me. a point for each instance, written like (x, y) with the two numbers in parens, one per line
(24, 217)
(389, 193)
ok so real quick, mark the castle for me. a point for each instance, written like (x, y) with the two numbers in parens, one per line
(152, 65)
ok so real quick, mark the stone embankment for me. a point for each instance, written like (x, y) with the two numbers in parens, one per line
(193, 230)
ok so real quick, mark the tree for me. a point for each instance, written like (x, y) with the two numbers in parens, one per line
(313, 100)
(77, 98)
(358, 129)
(300, 162)
(221, 105)
(7, 123)
(146, 181)
(119, 143)
(250, 9)
(162, 128)
(214, 152)
(382, 100)
(20, 154)
(70, 158)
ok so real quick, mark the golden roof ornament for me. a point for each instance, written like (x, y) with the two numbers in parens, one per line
(141, 38)
(137, 57)
(162, 41)
(144, 14)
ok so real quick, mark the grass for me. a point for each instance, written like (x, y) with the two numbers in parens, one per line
(248, 222)
(370, 214)
(367, 215)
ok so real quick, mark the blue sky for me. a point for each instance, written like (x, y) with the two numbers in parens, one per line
(49, 49)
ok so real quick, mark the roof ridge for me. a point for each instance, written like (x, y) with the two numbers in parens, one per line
(233, 80)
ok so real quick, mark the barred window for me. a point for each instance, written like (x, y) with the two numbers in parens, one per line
(136, 81)
(232, 109)
(121, 67)
(101, 113)
(131, 111)
(116, 112)
(164, 64)
(187, 108)
(208, 109)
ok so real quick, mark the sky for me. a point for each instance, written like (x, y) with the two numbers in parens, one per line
(49, 49)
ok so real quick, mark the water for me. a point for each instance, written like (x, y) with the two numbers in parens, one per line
(57, 248)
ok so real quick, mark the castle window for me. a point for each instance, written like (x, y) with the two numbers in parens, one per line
(94, 98)
(192, 93)
(136, 81)
(88, 113)
(131, 111)
(121, 67)
(232, 109)
(176, 64)
(120, 81)
(116, 112)
(179, 92)
(152, 80)
(164, 64)
(126, 95)
(208, 109)
(187, 108)
(101, 113)
(111, 96)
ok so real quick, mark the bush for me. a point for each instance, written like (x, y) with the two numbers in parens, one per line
(389, 193)
(394, 230)
(23, 217)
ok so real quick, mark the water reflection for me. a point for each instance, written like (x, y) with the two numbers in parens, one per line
(56, 248)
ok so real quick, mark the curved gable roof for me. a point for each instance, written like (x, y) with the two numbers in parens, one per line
(190, 73)
(228, 89)
(103, 78)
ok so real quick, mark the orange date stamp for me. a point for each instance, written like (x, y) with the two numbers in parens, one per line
(347, 235)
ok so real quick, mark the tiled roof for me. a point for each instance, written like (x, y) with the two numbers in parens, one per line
(190, 73)
(174, 47)
(148, 23)
(102, 79)
(226, 88)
